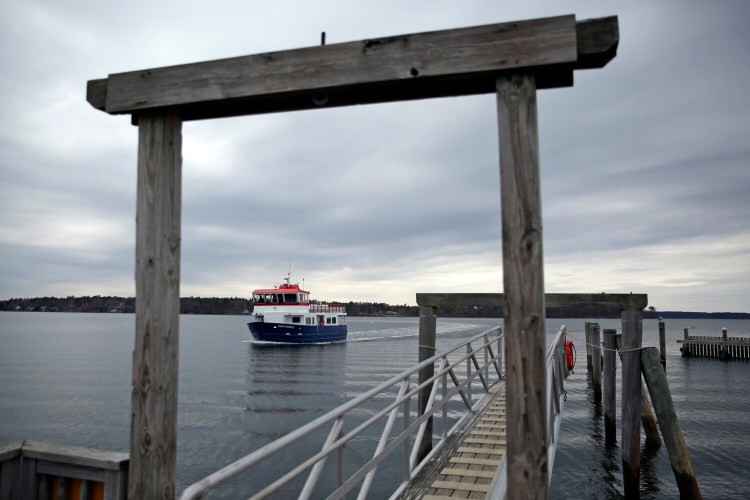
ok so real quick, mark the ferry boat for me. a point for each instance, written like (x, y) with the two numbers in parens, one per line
(285, 314)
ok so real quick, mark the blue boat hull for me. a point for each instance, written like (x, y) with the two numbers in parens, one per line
(296, 334)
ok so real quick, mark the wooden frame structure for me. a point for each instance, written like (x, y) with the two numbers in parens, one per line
(511, 59)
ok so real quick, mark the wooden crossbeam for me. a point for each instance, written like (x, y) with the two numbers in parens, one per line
(601, 305)
(455, 62)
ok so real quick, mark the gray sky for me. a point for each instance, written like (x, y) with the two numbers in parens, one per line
(645, 178)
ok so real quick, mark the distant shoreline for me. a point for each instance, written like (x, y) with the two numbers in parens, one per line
(237, 305)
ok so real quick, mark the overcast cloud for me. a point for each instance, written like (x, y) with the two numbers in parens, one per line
(645, 178)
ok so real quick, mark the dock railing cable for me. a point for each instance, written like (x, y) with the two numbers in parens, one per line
(449, 362)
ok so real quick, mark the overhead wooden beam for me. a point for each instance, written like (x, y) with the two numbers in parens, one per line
(454, 62)
(601, 305)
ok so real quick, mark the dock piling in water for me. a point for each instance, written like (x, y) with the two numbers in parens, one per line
(610, 383)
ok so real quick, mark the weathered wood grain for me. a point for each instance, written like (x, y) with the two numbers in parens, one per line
(454, 62)
(632, 335)
(596, 362)
(153, 433)
(600, 305)
(610, 387)
(656, 381)
(597, 42)
(523, 284)
(432, 64)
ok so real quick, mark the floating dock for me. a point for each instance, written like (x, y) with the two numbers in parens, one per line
(724, 347)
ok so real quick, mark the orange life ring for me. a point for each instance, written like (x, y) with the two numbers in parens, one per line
(570, 359)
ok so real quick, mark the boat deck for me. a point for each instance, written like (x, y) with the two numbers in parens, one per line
(466, 467)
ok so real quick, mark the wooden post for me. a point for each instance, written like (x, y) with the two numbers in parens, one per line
(523, 282)
(587, 335)
(663, 344)
(648, 420)
(153, 432)
(610, 388)
(656, 380)
(724, 352)
(632, 335)
(427, 336)
(685, 346)
(596, 360)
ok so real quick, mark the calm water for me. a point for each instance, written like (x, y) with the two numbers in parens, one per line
(66, 378)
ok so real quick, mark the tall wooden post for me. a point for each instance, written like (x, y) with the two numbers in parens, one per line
(632, 336)
(587, 335)
(663, 344)
(427, 336)
(153, 432)
(523, 282)
(610, 388)
(656, 380)
(596, 362)
(724, 350)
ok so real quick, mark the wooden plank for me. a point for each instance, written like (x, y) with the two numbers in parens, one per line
(461, 61)
(457, 485)
(153, 438)
(597, 42)
(523, 283)
(10, 450)
(500, 442)
(75, 455)
(487, 451)
(656, 380)
(72, 471)
(472, 461)
(448, 471)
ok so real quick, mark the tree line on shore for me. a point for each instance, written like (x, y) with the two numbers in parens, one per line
(238, 305)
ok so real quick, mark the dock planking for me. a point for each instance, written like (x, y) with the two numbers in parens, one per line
(466, 469)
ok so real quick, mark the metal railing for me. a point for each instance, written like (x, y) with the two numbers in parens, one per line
(451, 365)
(328, 308)
(557, 372)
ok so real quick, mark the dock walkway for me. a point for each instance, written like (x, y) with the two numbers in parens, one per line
(465, 468)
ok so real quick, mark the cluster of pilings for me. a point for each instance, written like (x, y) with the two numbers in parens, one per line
(601, 362)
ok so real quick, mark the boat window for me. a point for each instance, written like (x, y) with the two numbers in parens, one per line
(269, 297)
(333, 321)
(296, 319)
(290, 297)
(308, 321)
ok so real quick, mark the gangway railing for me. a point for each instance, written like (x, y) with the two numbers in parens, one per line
(471, 359)
(557, 372)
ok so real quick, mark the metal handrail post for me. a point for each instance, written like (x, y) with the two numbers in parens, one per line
(445, 403)
(468, 375)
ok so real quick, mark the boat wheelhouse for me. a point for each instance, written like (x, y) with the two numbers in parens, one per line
(285, 314)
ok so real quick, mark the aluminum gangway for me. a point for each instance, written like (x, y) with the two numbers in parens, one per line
(470, 367)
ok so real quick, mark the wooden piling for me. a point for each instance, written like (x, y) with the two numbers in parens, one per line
(523, 281)
(663, 344)
(587, 335)
(648, 420)
(427, 337)
(610, 383)
(724, 353)
(685, 346)
(656, 380)
(596, 360)
(153, 432)
(632, 335)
